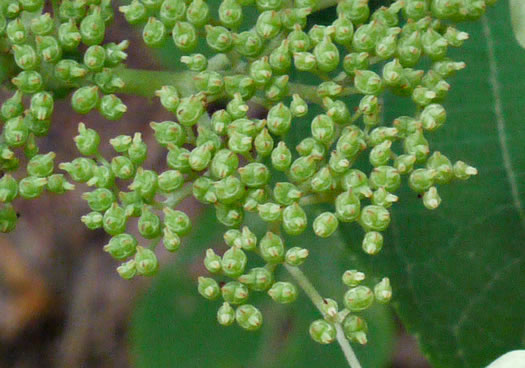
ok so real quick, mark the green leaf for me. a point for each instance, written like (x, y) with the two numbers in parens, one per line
(517, 13)
(458, 272)
(174, 326)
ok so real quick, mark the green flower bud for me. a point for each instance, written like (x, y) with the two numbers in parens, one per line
(263, 5)
(258, 279)
(431, 198)
(198, 13)
(234, 292)
(322, 181)
(298, 40)
(355, 10)
(421, 180)
(279, 119)
(233, 262)
(357, 181)
(280, 59)
(190, 110)
(383, 291)
(260, 71)
(115, 220)
(382, 134)
(272, 248)
(135, 12)
(386, 177)
(138, 150)
(122, 167)
(347, 206)
(80, 169)
(386, 47)
(8, 188)
(327, 55)
(368, 82)
(11, 10)
(365, 37)
(85, 99)
(131, 202)
(254, 175)
(355, 329)
(120, 143)
(281, 157)
(294, 219)
(249, 317)
(17, 32)
(127, 270)
(454, 37)
(380, 154)
(184, 36)
(415, 9)
(351, 142)
(253, 198)
(434, 44)
(219, 38)
(8, 218)
(177, 221)
(263, 143)
(277, 89)
(269, 212)
(442, 166)
(296, 256)
(204, 190)
(325, 224)
(344, 30)
(169, 98)
(374, 218)
(145, 184)
(233, 238)
(224, 163)
(69, 36)
(322, 332)
(200, 156)
(154, 33)
(310, 146)
(69, 71)
(28, 82)
(42, 105)
(404, 164)
(355, 61)
(212, 261)
(323, 129)
(283, 292)
(286, 193)
(372, 242)
(226, 314)
(247, 43)
(195, 62)
(12, 107)
(15, 132)
(393, 73)
(92, 220)
(268, 24)
(170, 240)
(292, 16)
(146, 262)
(92, 28)
(383, 198)
(121, 246)
(170, 181)
(446, 68)
(298, 107)
(423, 96)
(31, 149)
(229, 190)
(149, 224)
(352, 278)
(329, 89)
(337, 110)
(210, 83)
(111, 107)
(358, 298)
(25, 57)
(49, 48)
(169, 132)
(115, 54)
(100, 199)
(95, 57)
(303, 168)
(31, 187)
(462, 171)
(230, 13)
(409, 49)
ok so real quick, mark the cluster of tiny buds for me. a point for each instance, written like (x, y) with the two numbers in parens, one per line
(231, 160)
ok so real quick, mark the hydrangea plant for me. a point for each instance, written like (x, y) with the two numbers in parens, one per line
(243, 164)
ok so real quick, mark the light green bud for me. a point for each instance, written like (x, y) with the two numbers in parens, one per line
(254, 175)
(358, 298)
(177, 221)
(226, 314)
(272, 248)
(323, 129)
(184, 36)
(322, 181)
(249, 317)
(127, 270)
(115, 220)
(325, 224)
(28, 82)
(212, 261)
(348, 206)
(383, 291)
(269, 212)
(296, 256)
(56, 183)
(234, 292)
(374, 218)
(353, 278)
(230, 215)
(258, 279)
(121, 246)
(283, 292)
(247, 43)
(298, 107)
(462, 171)
(280, 58)
(355, 329)
(233, 262)
(386, 177)
(372, 242)
(170, 240)
(8, 188)
(198, 13)
(230, 13)
(355, 61)
(322, 332)
(208, 288)
(327, 55)
(8, 218)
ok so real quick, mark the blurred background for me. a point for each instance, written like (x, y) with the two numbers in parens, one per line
(63, 305)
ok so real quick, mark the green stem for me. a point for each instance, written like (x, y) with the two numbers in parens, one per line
(317, 299)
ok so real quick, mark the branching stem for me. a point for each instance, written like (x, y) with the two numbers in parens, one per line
(317, 300)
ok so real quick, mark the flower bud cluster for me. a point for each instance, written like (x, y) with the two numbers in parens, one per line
(241, 164)
(46, 50)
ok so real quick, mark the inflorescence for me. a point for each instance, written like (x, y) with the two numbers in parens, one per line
(230, 160)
